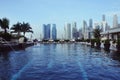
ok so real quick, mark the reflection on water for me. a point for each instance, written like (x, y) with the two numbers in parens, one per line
(59, 62)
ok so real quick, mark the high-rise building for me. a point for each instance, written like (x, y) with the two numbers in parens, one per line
(90, 23)
(54, 32)
(46, 31)
(74, 31)
(80, 34)
(85, 30)
(103, 17)
(115, 21)
(90, 31)
(68, 31)
(84, 27)
(104, 26)
(65, 32)
(97, 25)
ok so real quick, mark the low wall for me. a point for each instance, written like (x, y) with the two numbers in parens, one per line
(10, 47)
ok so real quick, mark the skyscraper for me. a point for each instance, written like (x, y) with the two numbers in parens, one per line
(90, 28)
(74, 31)
(68, 31)
(84, 27)
(85, 30)
(104, 26)
(90, 23)
(115, 21)
(65, 32)
(46, 31)
(103, 17)
(97, 25)
(54, 32)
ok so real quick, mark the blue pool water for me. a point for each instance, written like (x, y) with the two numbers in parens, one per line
(59, 62)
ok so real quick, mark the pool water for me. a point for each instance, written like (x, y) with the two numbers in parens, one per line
(60, 62)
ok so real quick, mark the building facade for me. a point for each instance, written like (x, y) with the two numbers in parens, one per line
(90, 32)
(115, 21)
(85, 30)
(74, 31)
(46, 31)
(54, 32)
(68, 31)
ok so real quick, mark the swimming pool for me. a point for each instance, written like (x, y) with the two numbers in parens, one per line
(59, 62)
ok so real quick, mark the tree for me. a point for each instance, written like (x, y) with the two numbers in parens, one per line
(26, 28)
(4, 23)
(17, 28)
(96, 33)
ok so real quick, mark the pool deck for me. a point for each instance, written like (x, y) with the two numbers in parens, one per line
(112, 46)
(17, 46)
(14, 46)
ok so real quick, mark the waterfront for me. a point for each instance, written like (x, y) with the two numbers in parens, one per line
(60, 62)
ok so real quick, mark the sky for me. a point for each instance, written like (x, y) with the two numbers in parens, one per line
(59, 12)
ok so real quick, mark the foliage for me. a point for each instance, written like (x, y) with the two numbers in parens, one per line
(45, 40)
(67, 40)
(93, 40)
(4, 23)
(22, 27)
(56, 40)
(107, 41)
(97, 40)
(78, 40)
(114, 41)
(6, 36)
(96, 33)
(17, 28)
(26, 28)
(118, 41)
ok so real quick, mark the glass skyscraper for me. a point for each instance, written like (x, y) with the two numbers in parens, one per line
(115, 21)
(90, 23)
(68, 31)
(46, 31)
(90, 29)
(54, 32)
(74, 31)
(103, 17)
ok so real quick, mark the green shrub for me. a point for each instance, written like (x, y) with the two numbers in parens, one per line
(118, 41)
(107, 41)
(6, 36)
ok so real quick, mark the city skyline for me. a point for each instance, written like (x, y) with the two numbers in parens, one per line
(40, 12)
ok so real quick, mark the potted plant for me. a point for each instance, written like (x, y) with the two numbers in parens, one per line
(92, 42)
(96, 34)
(98, 43)
(118, 45)
(107, 45)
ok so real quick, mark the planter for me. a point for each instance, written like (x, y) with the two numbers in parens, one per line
(98, 44)
(92, 43)
(107, 47)
(118, 47)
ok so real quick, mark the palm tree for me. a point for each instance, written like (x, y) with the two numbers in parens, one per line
(17, 28)
(26, 28)
(4, 23)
